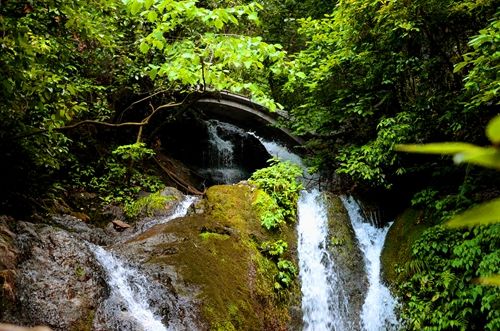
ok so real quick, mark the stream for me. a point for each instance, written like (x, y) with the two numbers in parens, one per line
(133, 300)
(325, 306)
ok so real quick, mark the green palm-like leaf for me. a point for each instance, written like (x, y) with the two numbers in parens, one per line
(493, 130)
(447, 148)
(490, 280)
(483, 214)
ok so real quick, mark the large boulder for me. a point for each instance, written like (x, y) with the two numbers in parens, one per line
(407, 228)
(57, 281)
(212, 263)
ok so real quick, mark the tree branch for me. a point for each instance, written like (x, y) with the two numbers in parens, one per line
(142, 123)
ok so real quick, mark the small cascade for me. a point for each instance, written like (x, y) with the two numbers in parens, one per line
(136, 302)
(378, 310)
(222, 168)
(128, 306)
(324, 304)
(179, 211)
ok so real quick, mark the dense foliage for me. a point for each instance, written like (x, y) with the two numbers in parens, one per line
(82, 79)
(440, 293)
(279, 181)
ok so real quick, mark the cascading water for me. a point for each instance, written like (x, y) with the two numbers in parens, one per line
(128, 305)
(324, 305)
(378, 310)
(179, 211)
(135, 302)
(221, 154)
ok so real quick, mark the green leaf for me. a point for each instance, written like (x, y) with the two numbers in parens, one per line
(490, 280)
(253, 16)
(483, 214)
(300, 74)
(488, 157)
(437, 148)
(460, 66)
(144, 47)
(493, 130)
(152, 16)
(135, 7)
(218, 24)
(148, 3)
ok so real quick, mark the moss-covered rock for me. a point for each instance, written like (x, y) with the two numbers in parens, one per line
(406, 229)
(213, 259)
(343, 246)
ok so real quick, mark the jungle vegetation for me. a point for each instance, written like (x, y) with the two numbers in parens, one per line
(357, 77)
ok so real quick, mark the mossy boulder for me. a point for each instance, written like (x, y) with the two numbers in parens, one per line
(407, 228)
(343, 246)
(213, 260)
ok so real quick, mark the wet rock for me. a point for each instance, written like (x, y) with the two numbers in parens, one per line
(172, 192)
(120, 225)
(58, 282)
(81, 229)
(346, 253)
(11, 327)
(212, 264)
(110, 213)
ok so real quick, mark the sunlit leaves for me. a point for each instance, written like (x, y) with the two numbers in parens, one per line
(483, 64)
(483, 214)
(464, 152)
(493, 130)
(199, 48)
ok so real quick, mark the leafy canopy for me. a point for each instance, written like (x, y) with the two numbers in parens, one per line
(195, 47)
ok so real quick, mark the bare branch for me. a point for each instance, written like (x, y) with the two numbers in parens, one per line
(139, 101)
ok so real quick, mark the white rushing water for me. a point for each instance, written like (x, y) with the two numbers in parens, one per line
(128, 306)
(131, 289)
(179, 211)
(221, 154)
(324, 305)
(378, 309)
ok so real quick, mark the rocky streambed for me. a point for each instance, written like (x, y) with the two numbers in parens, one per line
(205, 270)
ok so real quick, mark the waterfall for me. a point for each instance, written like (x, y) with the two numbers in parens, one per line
(378, 310)
(135, 302)
(221, 154)
(128, 306)
(324, 304)
(179, 211)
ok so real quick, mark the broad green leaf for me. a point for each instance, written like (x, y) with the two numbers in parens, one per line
(493, 130)
(144, 47)
(490, 280)
(448, 148)
(135, 7)
(148, 3)
(253, 16)
(218, 24)
(483, 214)
(152, 16)
(488, 157)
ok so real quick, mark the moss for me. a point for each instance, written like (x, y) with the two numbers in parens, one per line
(406, 229)
(218, 252)
(85, 323)
(214, 236)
